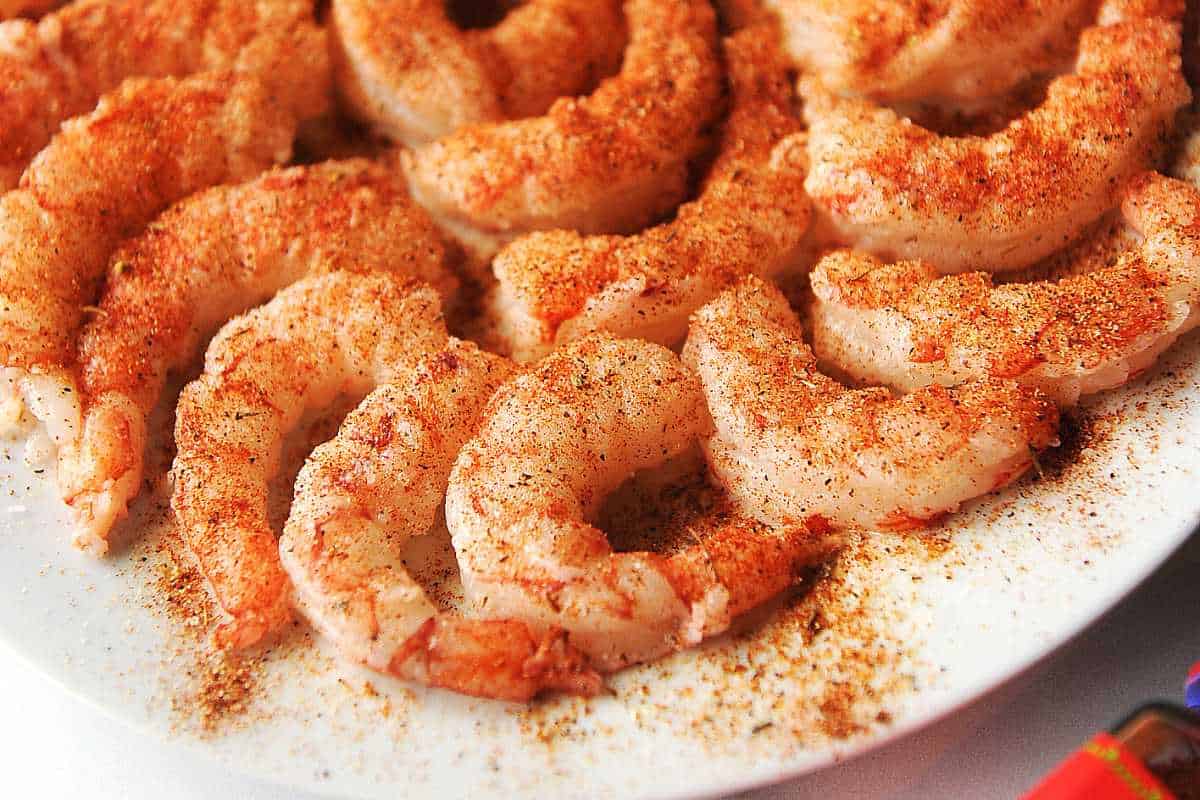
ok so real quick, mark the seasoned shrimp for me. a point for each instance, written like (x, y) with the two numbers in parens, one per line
(321, 337)
(791, 443)
(608, 163)
(950, 50)
(19, 8)
(60, 66)
(407, 69)
(554, 442)
(895, 189)
(902, 325)
(750, 217)
(104, 177)
(209, 258)
(382, 481)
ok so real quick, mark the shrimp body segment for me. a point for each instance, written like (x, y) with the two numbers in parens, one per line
(610, 162)
(380, 481)
(207, 259)
(60, 66)
(888, 186)
(792, 443)
(104, 177)
(553, 443)
(408, 70)
(324, 336)
(906, 326)
(750, 217)
(950, 50)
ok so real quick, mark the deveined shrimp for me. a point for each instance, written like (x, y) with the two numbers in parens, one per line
(321, 337)
(208, 258)
(903, 325)
(104, 177)
(60, 66)
(406, 68)
(608, 163)
(554, 442)
(889, 186)
(792, 443)
(381, 481)
(750, 218)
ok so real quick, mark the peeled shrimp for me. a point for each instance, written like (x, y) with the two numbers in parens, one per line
(103, 178)
(18, 8)
(209, 258)
(337, 334)
(381, 481)
(902, 325)
(608, 163)
(791, 443)
(904, 50)
(59, 67)
(897, 190)
(408, 70)
(554, 442)
(750, 217)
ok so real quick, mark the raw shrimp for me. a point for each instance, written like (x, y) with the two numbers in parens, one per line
(554, 442)
(750, 217)
(382, 481)
(408, 70)
(321, 337)
(59, 67)
(103, 178)
(791, 443)
(209, 258)
(893, 188)
(949, 50)
(611, 162)
(902, 325)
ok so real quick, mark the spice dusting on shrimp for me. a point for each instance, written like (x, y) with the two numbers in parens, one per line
(207, 259)
(792, 443)
(904, 325)
(320, 338)
(380, 481)
(750, 218)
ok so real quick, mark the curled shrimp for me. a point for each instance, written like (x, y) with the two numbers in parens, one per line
(903, 325)
(381, 481)
(60, 66)
(553, 443)
(608, 163)
(406, 68)
(321, 337)
(891, 187)
(750, 217)
(104, 177)
(955, 50)
(208, 258)
(792, 443)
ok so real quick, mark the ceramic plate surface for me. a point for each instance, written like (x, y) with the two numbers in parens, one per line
(899, 631)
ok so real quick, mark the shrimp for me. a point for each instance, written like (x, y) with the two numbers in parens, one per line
(750, 217)
(897, 190)
(382, 481)
(209, 258)
(791, 443)
(608, 163)
(59, 67)
(951, 50)
(554, 442)
(104, 177)
(20, 8)
(323, 336)
(903, 325)
(404, 67)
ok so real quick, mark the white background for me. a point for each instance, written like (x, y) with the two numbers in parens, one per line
(53, 745)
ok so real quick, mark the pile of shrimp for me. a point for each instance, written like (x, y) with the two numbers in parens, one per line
(545, 248)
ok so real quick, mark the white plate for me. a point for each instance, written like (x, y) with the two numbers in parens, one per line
(906, 630)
